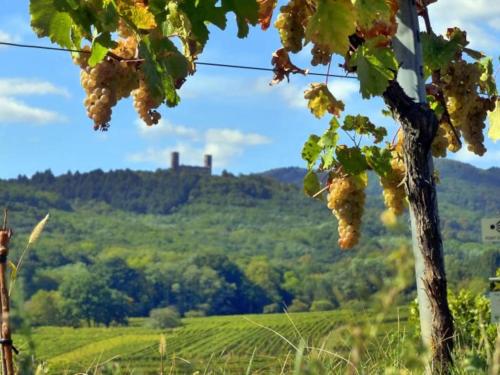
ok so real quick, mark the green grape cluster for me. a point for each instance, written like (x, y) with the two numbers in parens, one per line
(346, 199)
(107, 82)
(467, 109)
(145, 104)
(392, 182)
(440, 142)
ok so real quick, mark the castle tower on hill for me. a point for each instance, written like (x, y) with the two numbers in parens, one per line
(176, 166)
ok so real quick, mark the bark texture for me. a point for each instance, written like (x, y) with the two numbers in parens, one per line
(419, 125)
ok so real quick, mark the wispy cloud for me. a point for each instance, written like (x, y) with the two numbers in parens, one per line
(490, 159)
(473, 16)
(12, 110)
(7, 37)
(23, 86)
(165, 129)
(223, 144)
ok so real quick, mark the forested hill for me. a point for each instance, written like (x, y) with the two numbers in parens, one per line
(223, 244)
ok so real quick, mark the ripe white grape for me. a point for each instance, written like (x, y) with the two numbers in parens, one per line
(347, 201)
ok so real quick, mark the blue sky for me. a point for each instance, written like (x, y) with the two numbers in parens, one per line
(232, 114)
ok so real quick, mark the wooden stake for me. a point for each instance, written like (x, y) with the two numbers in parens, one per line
(6, 340)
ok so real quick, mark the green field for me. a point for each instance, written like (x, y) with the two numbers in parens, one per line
(222, 344)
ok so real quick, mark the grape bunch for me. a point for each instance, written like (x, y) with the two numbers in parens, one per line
(467, 109)
(320, 55)
(392, 182)
(107, 82)
(145, 104)
(346, 199)
(291, 24)
(440, 142)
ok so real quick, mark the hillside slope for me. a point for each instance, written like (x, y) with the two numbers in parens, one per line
(274, 244)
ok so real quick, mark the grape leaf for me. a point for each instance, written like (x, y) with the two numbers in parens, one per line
(138, 15)
(487, 80)
(371, 11)
(49, 21)
(376, 17)
(437, 52)
(266, 9)
(311, 184)
(311, 150)
(247, 12)
(328, 142)
(283, 66)
(375, 65)
(100, 47)
(378, 159)
(363, 125)
(332, 24)
(352, 160)
(494, 116)
(321, 100)
(159, 82)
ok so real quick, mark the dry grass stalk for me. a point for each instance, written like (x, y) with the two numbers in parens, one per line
(37, 230)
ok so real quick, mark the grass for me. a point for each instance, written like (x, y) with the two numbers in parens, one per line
(225, 344)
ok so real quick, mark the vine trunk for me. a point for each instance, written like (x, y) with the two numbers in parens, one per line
(419, 125)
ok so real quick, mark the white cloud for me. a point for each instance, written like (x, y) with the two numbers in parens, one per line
(22, 86)
(15, 111)
(12, 110)
(166, 128)
(293, 95)
(9, 38)
(472, 16)
(223, 144)
(491, 158)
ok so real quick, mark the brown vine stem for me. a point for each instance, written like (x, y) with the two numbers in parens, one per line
(6, 339)
(321, 191)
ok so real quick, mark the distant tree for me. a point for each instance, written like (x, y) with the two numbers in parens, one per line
(322, 305)
(45, 308)
(298, 306)
(167, 317)
(90, 299)
(118, 275)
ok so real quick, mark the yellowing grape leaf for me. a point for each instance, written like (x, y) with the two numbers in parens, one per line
(321, 100)
(138, 14)
(332, 24)
(266, 8)
(494, 116)
(376, 17)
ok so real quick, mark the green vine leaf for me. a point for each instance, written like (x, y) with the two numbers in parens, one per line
(375, 66)
(378, 159)
(311, 150)
(100, 47)
(352, 159)
(363, 125)
(311, 184)
(49, 21)
(437, 51)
